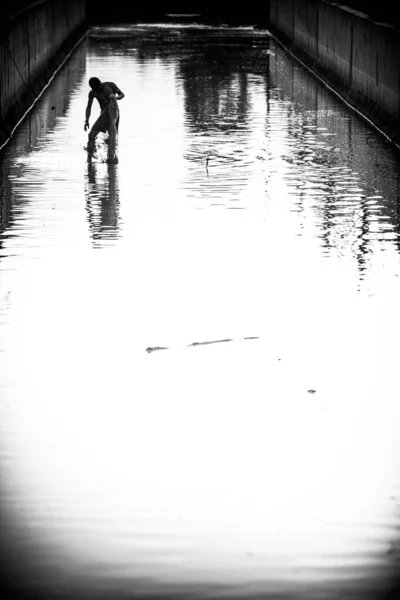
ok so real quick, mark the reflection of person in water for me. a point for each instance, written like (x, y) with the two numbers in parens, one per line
(106, 94)
(102, 200)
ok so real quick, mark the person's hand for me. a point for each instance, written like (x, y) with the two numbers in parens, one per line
(86, 127)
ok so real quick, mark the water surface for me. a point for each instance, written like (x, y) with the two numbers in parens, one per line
(199, 386)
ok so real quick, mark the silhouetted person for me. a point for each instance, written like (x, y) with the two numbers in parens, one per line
(106, 94)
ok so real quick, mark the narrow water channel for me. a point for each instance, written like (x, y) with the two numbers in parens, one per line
(199, 346)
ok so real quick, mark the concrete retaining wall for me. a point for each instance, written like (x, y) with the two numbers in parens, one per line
(359, 58)
(33, 43)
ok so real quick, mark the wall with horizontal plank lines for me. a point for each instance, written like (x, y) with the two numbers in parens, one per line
(357, 56)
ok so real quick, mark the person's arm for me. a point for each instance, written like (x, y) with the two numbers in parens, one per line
(119, 95)
(88, 110)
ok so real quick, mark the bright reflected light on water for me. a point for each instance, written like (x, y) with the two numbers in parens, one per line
(199, 385)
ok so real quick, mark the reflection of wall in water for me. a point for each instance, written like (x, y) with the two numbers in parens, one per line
(102, 201)
(336, 147)
(6, 219)
(220, 77)
(215, 78)
(214, 93)
(40, 121)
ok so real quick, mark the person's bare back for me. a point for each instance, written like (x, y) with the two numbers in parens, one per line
(103, 93)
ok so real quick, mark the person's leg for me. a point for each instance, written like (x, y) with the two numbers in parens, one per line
(93, 133)
(113, 114)
(99, 126)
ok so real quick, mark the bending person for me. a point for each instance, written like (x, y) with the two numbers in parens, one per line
(106, 94)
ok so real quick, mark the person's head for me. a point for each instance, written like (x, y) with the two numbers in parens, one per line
(94, 83)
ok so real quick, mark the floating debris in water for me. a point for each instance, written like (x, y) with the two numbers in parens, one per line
(150, 349)
(211, 342)
(206, 343)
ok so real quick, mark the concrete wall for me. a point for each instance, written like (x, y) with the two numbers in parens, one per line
(358, 57)
(33, 43)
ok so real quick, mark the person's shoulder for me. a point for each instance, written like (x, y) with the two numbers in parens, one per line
(112, 85)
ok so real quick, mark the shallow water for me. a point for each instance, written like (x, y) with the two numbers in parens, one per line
(199, 386)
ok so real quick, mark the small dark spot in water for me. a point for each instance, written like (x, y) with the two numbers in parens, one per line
(53, 108)
(311, 391)
(394, 549)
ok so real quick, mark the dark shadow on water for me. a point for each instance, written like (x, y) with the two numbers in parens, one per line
(102, 201)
